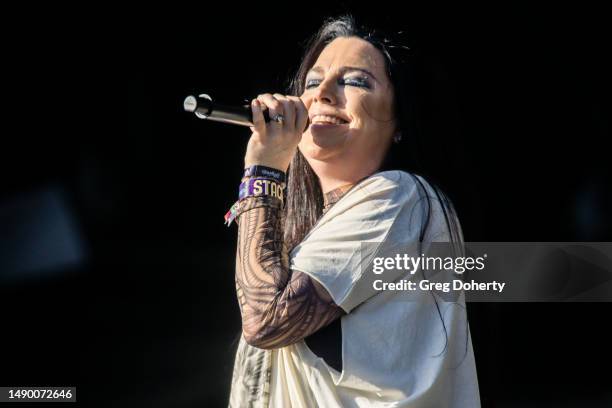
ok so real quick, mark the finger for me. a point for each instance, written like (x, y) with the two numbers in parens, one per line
(274, 106)
(301, 113)
(289, 109)
(259, 123)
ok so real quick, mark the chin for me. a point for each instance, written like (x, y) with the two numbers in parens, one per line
(319, 148)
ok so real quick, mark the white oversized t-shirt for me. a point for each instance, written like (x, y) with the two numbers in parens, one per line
(394, 347)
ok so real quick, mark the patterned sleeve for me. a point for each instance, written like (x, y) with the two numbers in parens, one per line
(279, 306)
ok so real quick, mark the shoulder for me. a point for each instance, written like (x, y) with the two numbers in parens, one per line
(382, 195)
(419, 199)
(379, 196)
(394, 184)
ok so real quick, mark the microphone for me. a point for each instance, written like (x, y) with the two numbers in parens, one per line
(204, 108)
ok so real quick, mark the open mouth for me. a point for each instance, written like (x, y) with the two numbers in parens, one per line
(327, 120)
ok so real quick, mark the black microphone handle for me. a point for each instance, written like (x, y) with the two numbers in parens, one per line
(204, 108)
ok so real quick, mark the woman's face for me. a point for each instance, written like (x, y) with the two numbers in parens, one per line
(348, 82)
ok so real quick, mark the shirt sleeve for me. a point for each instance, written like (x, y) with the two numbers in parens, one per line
(383, 212)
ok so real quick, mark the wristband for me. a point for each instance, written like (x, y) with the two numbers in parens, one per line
(265, 171)
(241, 206)
(255, 187)
(260, 186)
(232, 213)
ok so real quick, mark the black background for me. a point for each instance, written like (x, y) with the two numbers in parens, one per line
(516, 120)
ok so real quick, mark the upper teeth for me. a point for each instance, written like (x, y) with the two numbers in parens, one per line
(328, 119)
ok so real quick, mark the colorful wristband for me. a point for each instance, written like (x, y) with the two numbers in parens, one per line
(260, 186)
(232, 213)
(241, 206)
(264, 171)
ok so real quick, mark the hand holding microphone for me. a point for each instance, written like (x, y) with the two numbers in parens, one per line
(274, 143)
(277, 122)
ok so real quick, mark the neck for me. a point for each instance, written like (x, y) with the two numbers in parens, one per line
(334, 176)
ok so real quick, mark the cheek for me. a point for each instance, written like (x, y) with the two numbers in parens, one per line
(357, 109)
(306, 99)
(370, 111)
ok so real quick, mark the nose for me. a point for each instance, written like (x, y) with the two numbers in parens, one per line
(326, 92)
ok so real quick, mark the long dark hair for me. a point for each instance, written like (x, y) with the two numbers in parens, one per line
(304, 205)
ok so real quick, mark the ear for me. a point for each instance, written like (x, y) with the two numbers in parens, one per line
(397, 136)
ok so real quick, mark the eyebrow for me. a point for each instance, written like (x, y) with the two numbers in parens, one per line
(344, 69)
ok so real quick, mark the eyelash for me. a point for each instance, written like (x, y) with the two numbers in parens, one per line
(360, 82)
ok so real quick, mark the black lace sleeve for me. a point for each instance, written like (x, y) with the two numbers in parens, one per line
(279, 306)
